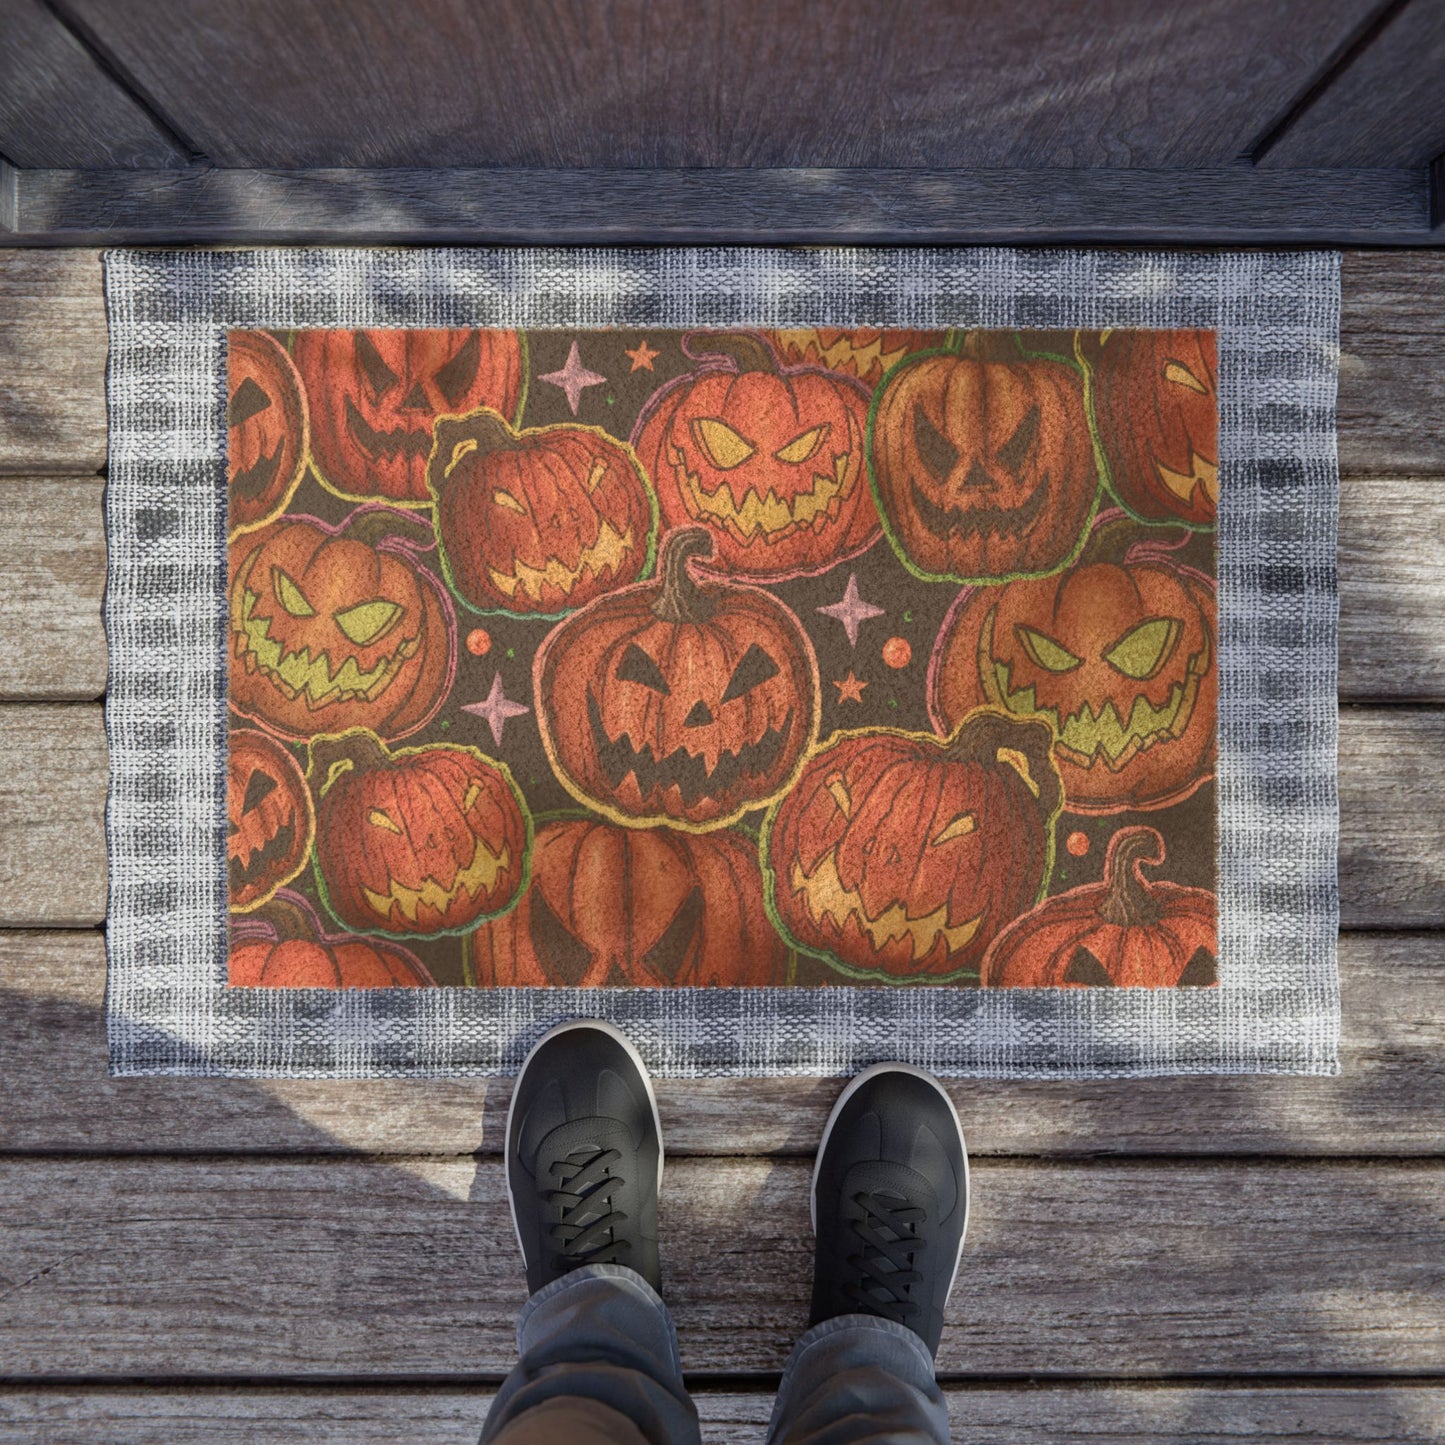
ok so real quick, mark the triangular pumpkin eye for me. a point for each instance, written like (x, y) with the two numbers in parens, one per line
(248, 401)
(563, 954)
(261, 786)
(289, 595)
(722, 446)
(637, 666)
(378, 819)
(507, 500)
(754, 669)
(937, 453)
(960, 827)
(381, 377)
(1086, 969)
(669, 953)
(455, 379)
(1018, 448)
(1202, 970)
(802, 447)
(368, 621)
(1143, 650)
(1050, 655)
(1180, 375)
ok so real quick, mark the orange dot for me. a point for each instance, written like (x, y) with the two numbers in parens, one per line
(479, 642)
(1077, 844)
(897, 652)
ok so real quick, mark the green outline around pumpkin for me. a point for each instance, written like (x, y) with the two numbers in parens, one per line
(873, 977)
(649, 560)
(323, 893)
(893, 540)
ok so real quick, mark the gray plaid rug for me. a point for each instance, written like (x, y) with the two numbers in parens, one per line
(1277, 1006)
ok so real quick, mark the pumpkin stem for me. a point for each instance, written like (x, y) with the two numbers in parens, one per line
(360, 748)
(1128, 899)
(373, 526)
(481, 432)
(751, 353)
(1024, 744)
(291, 922)
(680, 598)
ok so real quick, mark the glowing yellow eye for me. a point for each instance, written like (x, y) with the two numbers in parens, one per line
(961, 827)
(1141, 652)
(1045, 651)
(507, 500)
(722, 446)
(369, 621)
(462, 449)
(473, 793)
(595, 476)
(290, 596)
(838, 789)
(801, 448)
(378, 819)
(1181, 375)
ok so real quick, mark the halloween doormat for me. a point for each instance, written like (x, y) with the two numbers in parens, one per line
(800, 658)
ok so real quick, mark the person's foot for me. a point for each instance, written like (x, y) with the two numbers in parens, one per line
(584, 1155)
(890, 1201)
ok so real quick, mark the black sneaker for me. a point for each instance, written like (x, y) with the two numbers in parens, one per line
(584, 1155)
(890, 1201)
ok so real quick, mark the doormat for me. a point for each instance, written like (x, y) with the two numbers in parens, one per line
(800, 658)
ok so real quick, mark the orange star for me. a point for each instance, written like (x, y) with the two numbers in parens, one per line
(850, 688)
(642, 356)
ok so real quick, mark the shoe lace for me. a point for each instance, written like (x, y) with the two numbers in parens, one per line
(584, 1229)
(888, 1228)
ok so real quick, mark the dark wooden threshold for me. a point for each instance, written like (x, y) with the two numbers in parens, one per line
(206, 205)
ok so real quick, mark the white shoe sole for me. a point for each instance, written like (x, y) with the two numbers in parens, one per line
(612, 1032)
(853, 1087)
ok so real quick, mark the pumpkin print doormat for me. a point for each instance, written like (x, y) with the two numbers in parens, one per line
(800, 658)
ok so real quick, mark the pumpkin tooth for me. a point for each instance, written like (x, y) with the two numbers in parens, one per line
(605, 556)
(477, 879)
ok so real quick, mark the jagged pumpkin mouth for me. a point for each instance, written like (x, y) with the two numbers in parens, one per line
(299, 675)
(829, 901)
(253, 481)
(243, 872)
(387, 445)
(477, 880)
(965, 521)
(680, 769)
(604, 558)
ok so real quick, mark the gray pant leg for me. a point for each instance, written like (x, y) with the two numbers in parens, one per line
(859, 1380)
(601, 1334)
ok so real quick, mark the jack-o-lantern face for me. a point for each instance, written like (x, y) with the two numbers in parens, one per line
(671, 701)
(899, 856)
(1156, 395)
(267, 432)
(768, 459)
(537, 522)
(864, 352)
(375, 395)
(269, 821)
(337, 627)
(422, 841)
(982, 462)
(1118, 656)
(636, 908)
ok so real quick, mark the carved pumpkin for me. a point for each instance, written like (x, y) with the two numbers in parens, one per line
(769, 459)
(282, 946)
(375, 394)
(422, 841)
(677, 702)
(981, 461)
(1156, 397)
(334, 627)
(1124, 932)
(269, 820)
(864, 352)
(267, 431)
(1117, 654)
(537, 522)
(899, 856)
(638, 908)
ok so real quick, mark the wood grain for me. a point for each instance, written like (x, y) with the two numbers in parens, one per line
(1207, 1413)
(1389, 1099)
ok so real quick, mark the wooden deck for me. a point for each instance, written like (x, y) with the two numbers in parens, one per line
(1216, 1260)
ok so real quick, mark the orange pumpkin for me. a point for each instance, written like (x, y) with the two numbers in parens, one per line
(421, 841)
(333, 627)
(768, 458)
(899, 856)
(675, 701)
(269, 819)
(637, 908)
(1124, 932)
(860, 351)
(267, 429)
(536, 523)
(282, 945)
(1117, 654)
(1156, 397)
(375, 395)
(981, 461)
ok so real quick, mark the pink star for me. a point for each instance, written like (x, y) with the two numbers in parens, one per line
(497, 709)
(852, 610)
(574, 378)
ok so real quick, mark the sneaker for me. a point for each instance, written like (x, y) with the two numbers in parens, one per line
(584, 1155)
(890, 1201)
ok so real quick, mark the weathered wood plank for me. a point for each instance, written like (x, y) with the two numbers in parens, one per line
(292, 1268)
(1389, 1099)
(1053, 1414)
(52, 574)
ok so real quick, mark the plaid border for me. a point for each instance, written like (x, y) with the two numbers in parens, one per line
(1277, 1009)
